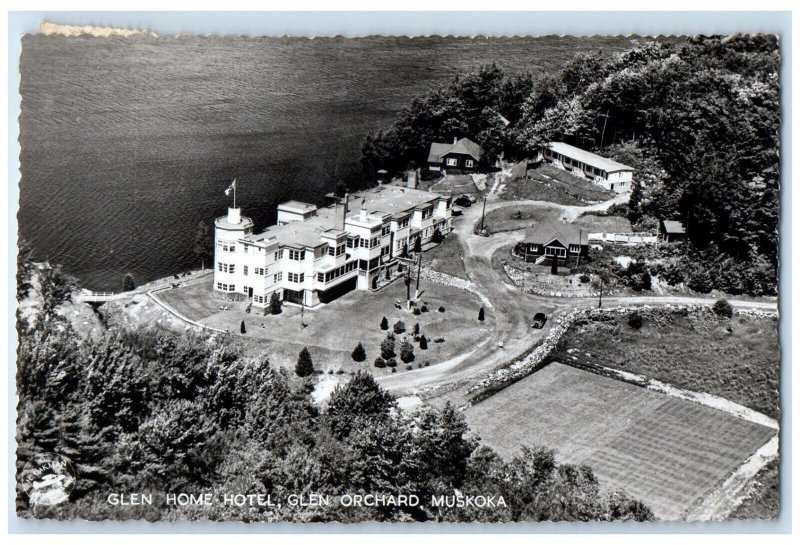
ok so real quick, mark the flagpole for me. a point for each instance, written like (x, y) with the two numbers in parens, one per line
(234, 192)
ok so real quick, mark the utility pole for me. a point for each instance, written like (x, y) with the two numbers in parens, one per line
(483, 213)
(407, 280)
(603, 136)
(580, 245)
(419, 270)
(600, 301)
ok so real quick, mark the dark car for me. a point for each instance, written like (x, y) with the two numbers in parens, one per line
(539, 319)
(463, 201)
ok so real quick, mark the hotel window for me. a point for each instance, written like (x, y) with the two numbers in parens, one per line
(427, 213)
(331, 250)
(403, 222)
(469, 163)
(452, 161)
(278, 277)
(320, 277)
(226, 268)
(232, 287)
(365, 243)
(386, 250)
(245, 268)
(385, 229)
(297, 278)
(352, 242)
(278, 255)
(375, 242)
(297, 255)
(246, 249)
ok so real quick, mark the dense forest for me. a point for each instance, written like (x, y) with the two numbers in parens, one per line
(153, 411)
(698, 119)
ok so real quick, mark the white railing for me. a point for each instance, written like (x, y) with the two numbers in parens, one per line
(624, 238)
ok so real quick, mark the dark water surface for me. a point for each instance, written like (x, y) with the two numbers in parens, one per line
(128, 143)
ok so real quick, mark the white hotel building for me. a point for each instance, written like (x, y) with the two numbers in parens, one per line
(314, 255)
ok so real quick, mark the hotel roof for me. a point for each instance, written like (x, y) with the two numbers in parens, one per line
(379, 201)
(587, 157)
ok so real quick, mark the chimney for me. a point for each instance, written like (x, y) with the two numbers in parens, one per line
(363, 216)
(455, 140)
(341, 212)
(234, 216)
(412, 179)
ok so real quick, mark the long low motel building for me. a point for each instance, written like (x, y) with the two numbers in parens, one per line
(315, 254)
(601, 170)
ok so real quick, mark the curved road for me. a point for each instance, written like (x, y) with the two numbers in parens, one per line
(512, 335)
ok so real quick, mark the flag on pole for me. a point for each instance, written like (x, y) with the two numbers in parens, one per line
(231, 188)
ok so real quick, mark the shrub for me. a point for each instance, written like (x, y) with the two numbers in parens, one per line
(242, 328)
(427, 364)
(424, 308)
(585, 279)
(127, 283)
(481, 315)
(399, 326)
(380, 363)
(391, 362)
(635, 320)
(441, 309)
(406, 351)
(394, 370)
(384, 324)
(304, 366)
(438, 340)
(274, 303)
(723, 308)
(387, 348)
(340, 371)
(700, 282)
(409, 367)
(423, 343)
(359, 354)
(417, 312)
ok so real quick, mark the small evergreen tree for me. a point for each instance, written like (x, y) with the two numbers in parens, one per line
(380, 363)
(387, 348)
(423, 343)
(418, 245)
(635, 320)
(391, 362)
(304, 366)
(399, 326)
(415, 329)
(127, 283)
(406, 351)
(359, 354)
(384, 324)
(723, 308)
(242, 328)
(481, 315)
(274, 303)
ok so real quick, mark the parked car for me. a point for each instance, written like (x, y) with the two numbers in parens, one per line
(539, 319)
(463, 201)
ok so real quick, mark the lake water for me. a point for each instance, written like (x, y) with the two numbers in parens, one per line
(128, 143)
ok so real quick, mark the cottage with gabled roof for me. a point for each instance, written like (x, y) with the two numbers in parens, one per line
(463, 154)
(547, 241)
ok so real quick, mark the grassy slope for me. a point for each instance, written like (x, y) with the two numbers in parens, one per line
(737, 358)
(763, 502)
(548, 183)
(446, 257)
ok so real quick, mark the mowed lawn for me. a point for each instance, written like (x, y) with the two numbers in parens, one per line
(667, 452)
(511, 218)
(447, 257)
(332, 331)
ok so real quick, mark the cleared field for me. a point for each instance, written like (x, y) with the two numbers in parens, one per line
(332, 331)
(736, 358)
(548, 183)
(446, 257)
(511, 218)
(667, 452)
(763, 501)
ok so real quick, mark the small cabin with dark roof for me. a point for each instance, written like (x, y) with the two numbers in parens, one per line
(563, 242)
(463, 154)
(672, 231)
